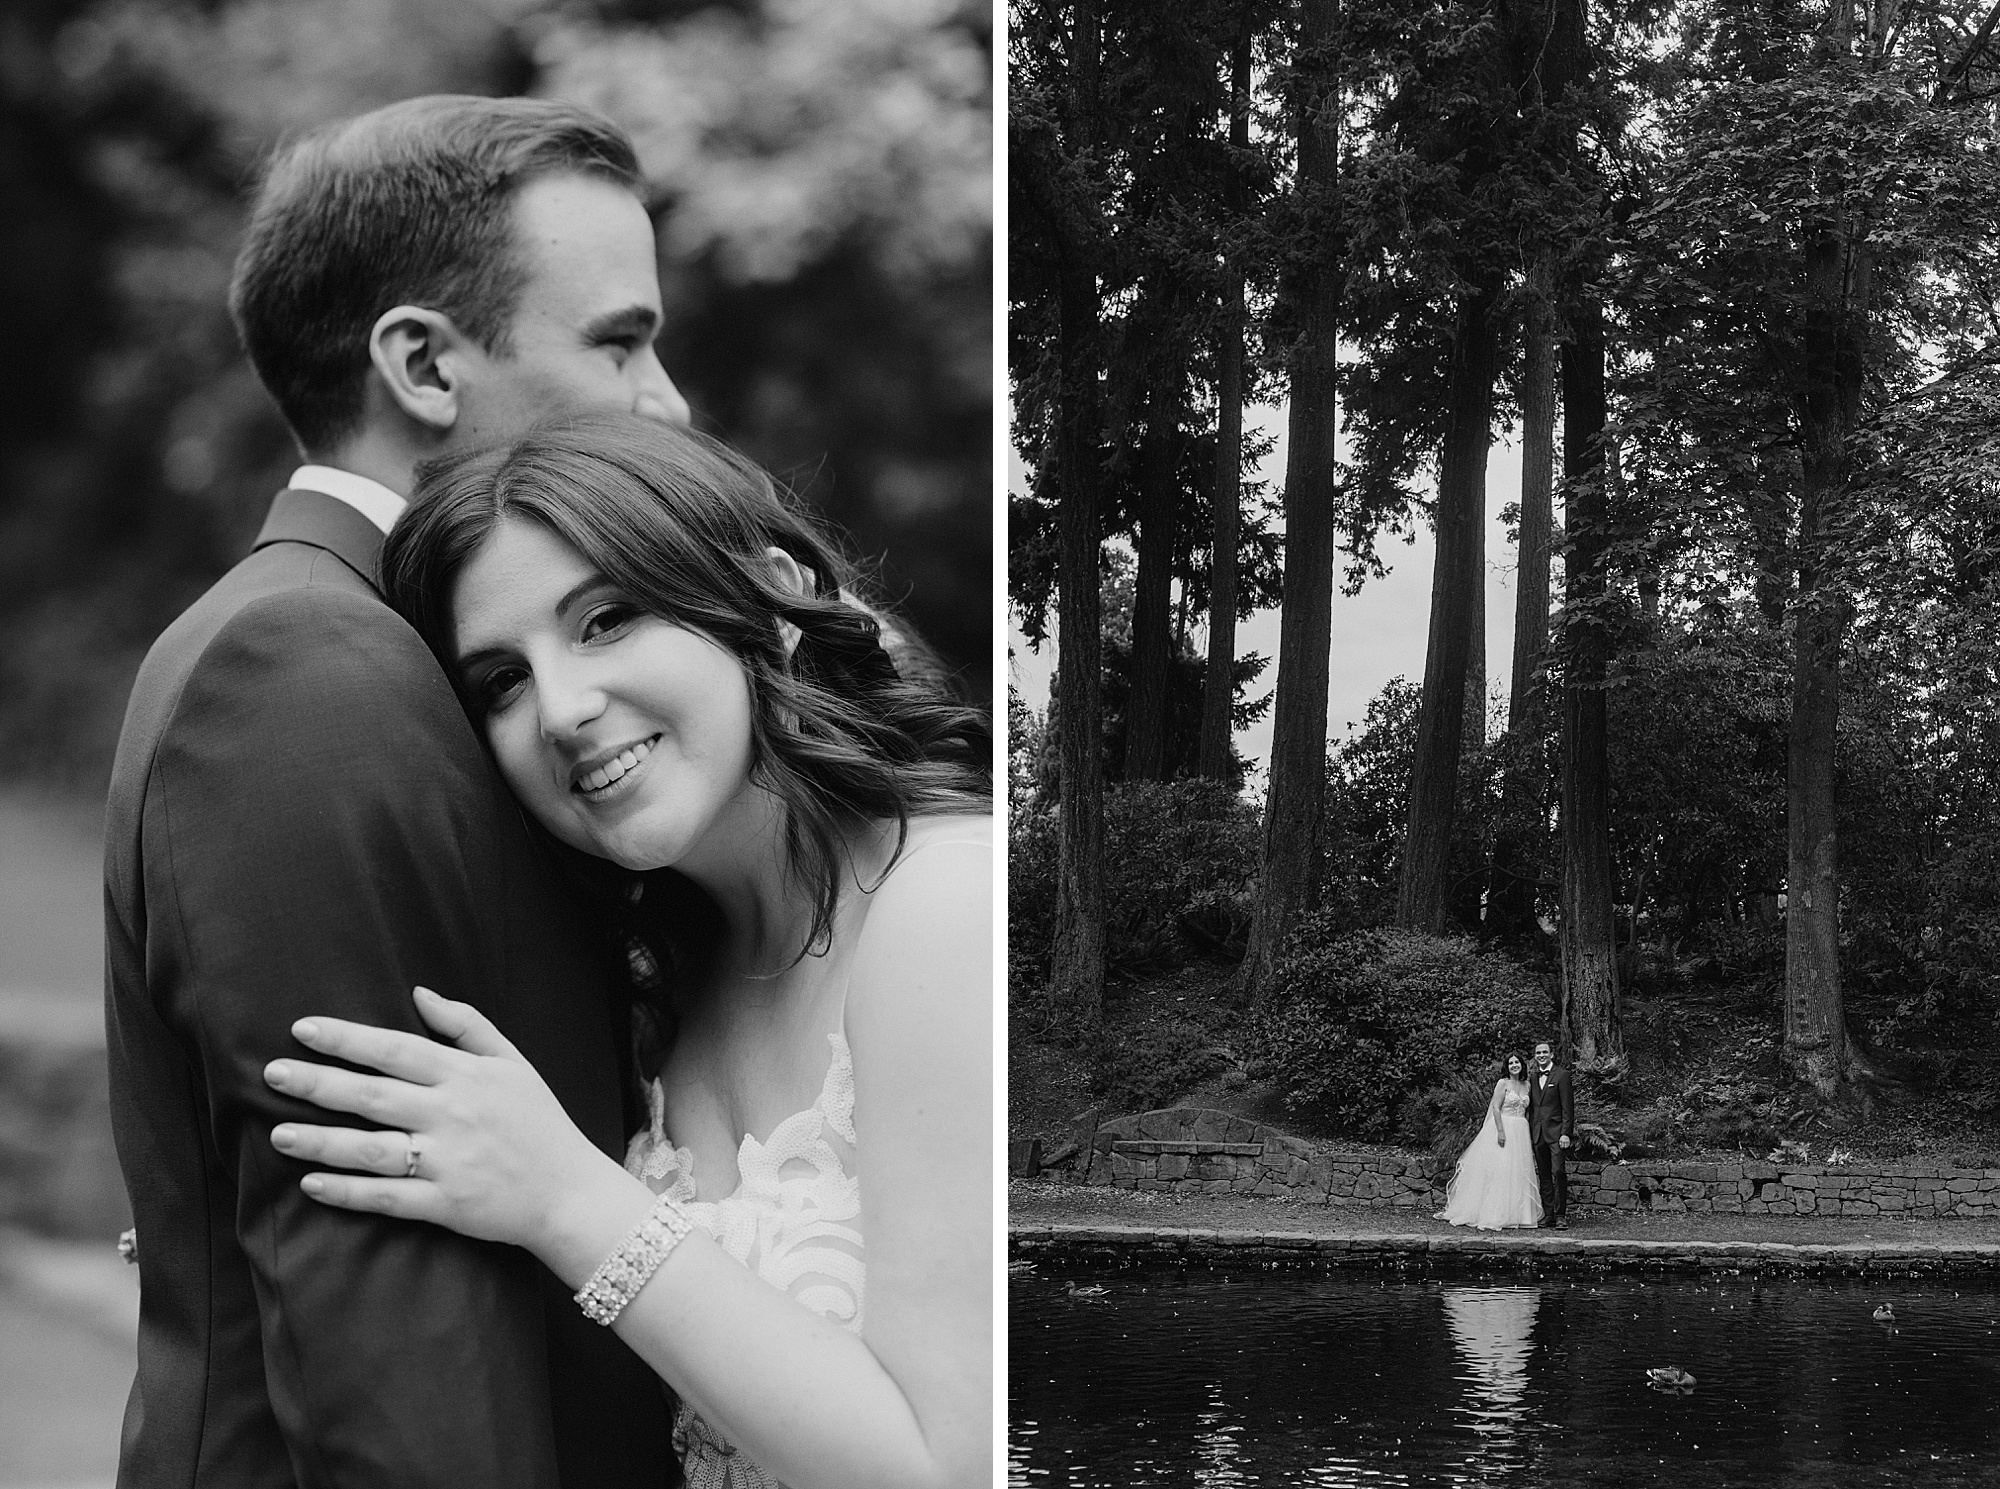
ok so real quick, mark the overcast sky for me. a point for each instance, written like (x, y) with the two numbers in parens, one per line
(1377, 635)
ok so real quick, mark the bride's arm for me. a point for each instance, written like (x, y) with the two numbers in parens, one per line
(906, 1402)
(1493, 1110)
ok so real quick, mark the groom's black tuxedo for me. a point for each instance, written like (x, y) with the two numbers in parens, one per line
(301, 820)
(1551, 1117)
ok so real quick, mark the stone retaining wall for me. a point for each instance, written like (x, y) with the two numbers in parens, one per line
(1534, 1252)
(1192, 1150)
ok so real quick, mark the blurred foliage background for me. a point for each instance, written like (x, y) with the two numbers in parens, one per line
(823, 172)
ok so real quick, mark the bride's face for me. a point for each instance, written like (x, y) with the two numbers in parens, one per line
(1514, 1070)
(626, 735)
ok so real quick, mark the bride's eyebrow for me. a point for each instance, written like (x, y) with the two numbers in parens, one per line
(469, 662)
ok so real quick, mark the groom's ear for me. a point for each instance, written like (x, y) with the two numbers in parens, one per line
(418, 355)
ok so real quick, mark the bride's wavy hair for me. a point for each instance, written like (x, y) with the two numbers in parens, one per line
(1509, 1058)
(684, 526)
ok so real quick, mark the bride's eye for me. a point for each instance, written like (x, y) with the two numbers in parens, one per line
(499, 687)
(608, 621)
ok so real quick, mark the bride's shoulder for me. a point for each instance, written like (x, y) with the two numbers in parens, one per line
(936, 898)
(921, 982)
(967, 829)
(939, 855)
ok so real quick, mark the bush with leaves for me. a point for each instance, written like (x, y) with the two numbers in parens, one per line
(1368, 808)
(1359, 1027)
(1179, 861)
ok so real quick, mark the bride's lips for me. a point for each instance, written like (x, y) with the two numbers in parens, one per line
(608, 774)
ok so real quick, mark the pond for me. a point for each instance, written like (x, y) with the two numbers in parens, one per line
(1308, 1377)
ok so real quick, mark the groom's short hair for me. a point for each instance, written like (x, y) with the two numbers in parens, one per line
(407, 205)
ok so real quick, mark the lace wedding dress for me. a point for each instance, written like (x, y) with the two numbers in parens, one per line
(1496, 1187)
(794, 1220)
(795, 1216)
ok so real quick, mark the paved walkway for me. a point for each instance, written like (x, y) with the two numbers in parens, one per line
(1099, 1219)
(69, 1316)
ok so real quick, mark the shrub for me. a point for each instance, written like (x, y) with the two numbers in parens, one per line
(1156, 1062)
(1179, 861)
(1452, 1113)
(1033, 851)
(1359, 1027)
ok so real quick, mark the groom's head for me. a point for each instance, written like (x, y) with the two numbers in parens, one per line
(446, 271)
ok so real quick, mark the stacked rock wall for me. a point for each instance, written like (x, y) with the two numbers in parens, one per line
(1752, 1188)
(1193, 1150)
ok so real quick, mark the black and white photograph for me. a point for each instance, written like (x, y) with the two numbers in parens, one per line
(498, 872)
(1503, 742)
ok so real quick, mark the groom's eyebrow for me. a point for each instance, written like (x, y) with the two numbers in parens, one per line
(641, 321)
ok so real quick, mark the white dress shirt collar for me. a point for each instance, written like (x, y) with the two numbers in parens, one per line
(371, 499)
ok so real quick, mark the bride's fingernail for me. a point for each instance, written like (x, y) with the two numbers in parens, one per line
(306, 1029)
(312, 1184)
(285, 1135)
(276, 1072)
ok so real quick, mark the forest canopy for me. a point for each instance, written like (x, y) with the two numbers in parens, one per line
(1728, 272)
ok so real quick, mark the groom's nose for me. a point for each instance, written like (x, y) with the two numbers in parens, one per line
(656, 396)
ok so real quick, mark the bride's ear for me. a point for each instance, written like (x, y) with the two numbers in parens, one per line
(790, 574)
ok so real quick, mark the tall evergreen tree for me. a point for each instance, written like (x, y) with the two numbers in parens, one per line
(1055, 139)
(1216, 695)
(1313, 285)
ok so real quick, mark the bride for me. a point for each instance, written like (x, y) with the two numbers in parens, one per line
(660, 655)
(1495, 1185)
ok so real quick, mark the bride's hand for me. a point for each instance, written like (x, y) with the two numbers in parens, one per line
(496, 1156)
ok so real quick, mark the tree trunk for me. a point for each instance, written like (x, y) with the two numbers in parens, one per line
(1474, 737)
(1589, 933)
(1295, 802)
(1218, 696)
(1531, 594)
(1815, 1016)
(1076, 972)
(1152, 588)
(1838, 288)
(1422, 893)
(1510, 899)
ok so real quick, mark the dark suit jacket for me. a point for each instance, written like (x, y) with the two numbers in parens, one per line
(301, 820)
(1551, 1112)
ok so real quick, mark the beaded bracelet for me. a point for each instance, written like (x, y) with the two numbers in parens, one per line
(617, 1281)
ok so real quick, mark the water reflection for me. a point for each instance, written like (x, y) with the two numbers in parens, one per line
(1492, 1327)
(1359, 1379)
(1217, 1451)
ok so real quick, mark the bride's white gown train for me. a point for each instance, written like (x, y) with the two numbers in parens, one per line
(1496, 1187)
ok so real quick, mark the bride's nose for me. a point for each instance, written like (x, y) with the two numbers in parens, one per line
(569, 700)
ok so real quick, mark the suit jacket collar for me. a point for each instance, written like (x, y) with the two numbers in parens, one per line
(327, 522)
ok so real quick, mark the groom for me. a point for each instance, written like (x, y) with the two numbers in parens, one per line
(1552, 1133)
(301, 820)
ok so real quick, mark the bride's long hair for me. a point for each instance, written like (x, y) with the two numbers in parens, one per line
(1508, 1059)
(684, 526)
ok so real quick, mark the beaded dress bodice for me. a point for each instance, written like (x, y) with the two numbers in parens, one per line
(1514, 1103)
(794, 1220)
